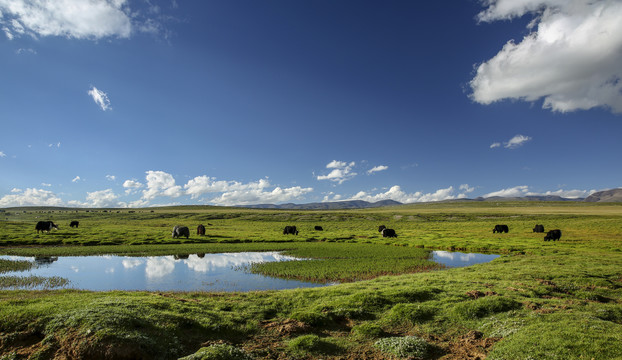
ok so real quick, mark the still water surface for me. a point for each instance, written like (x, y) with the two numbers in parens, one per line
(459, 259)
(197, 272)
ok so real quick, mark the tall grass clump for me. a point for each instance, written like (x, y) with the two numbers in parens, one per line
(475, 309)
(305, 345)
(410, 314)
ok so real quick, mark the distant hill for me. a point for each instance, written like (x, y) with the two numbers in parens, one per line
(614, 195)
(335, 205)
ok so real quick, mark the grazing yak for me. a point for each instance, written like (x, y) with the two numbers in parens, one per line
(381, 227)
(500, 229)
(179, 231)
(553, 235)
(46, 226)
(290, 230)
(201, 230)
(74, 224)
(319, 228)
(388, 233)
(538, 228)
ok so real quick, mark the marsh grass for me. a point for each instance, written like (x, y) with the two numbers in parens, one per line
(553, 300)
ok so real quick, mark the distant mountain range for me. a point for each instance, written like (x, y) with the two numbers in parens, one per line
(336, 205)
(614, 195)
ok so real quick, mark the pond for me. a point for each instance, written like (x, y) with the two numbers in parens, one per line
(460, 259)
(196, 272)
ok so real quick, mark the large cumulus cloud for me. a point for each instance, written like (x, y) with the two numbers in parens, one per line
(570, 58)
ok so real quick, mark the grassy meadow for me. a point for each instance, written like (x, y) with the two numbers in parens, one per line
(539, 300)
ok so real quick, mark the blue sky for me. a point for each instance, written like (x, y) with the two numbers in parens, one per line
(130, 103)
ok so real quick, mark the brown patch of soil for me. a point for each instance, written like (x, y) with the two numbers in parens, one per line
(471, 346)
(287, 327)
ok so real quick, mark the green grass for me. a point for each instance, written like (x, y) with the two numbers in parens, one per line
(539, 300)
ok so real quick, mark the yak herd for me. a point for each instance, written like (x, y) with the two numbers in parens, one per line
(179, 231)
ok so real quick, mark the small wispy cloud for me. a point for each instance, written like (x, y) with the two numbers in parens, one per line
(111, 177)
(376, 169)
(23, 51)
(516, 141)
(2, 154)
(513, 143)
(100, 98)
(76, 179)
(55, 145)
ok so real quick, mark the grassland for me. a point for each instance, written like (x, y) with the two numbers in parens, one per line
(540, 300)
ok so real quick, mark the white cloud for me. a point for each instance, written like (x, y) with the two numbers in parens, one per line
(111, 177)
(102, 198)
(516, 141)
(30, 197)
(495, 145)
(76, 179)
(336, 164)
(258, 196)
(516, 191)
(523, 190)
(132, 184)
(466, 188)
(376, 169)
(204, 184)
(396, 193)
(2, 154)
(341, 172)
(100, 98)
(80, 19)
(160, 183)
(53, 145)
(46, 185)
(571, 58)
(237, 193)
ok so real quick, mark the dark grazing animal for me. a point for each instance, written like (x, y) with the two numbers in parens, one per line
(538, 228)
(201, 230)
(389, 233)
(500, 229)
(179, 231)
(381, 227)
(319, 228)
(46, 226)
(553, 235)
(74, 224)
(290, 230)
